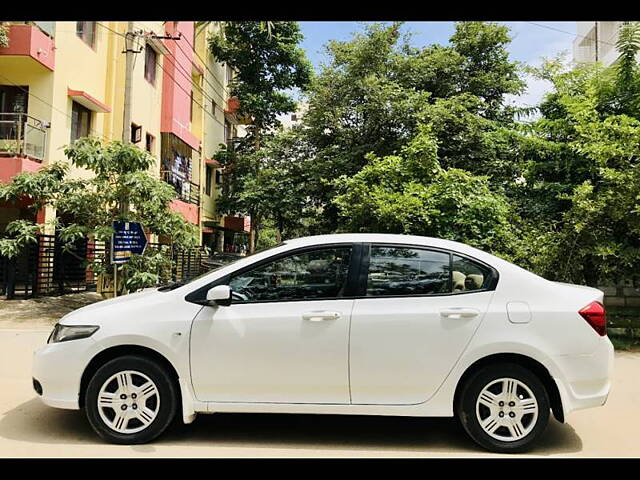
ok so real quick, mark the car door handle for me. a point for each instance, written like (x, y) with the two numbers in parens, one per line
(320, 315)
(459, 312)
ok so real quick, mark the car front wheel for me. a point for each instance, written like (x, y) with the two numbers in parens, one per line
(130, 400)
(504, 408)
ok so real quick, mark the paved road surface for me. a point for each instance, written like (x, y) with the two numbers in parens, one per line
(30, 429)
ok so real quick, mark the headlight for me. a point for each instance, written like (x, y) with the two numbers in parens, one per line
(63, 333)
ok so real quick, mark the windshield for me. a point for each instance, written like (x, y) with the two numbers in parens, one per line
(226, 261)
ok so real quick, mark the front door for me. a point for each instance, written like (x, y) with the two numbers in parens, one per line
(284, 338)
(421, 309)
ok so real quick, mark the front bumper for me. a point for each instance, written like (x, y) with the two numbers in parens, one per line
(58, 368)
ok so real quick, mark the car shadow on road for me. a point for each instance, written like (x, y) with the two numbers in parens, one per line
(34, 422)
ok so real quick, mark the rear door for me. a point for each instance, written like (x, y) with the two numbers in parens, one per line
(418, 310)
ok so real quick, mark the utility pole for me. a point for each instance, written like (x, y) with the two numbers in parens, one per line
(129, 40)
(130, 36)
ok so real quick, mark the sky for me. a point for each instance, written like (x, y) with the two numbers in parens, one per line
(531, 41)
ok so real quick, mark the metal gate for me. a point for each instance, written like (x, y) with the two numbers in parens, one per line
(47, 268)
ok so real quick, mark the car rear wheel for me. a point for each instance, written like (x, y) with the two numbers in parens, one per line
(504, 408)
(130, 400)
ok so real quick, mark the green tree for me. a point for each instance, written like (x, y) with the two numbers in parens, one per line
(375, 90)
(121, 188)
(487, 71)
(410, 193)
(590, 184)
(269, 63)
(4, 35)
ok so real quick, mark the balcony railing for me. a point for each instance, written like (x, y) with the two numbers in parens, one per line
(187, 191)
(48, 28)
(22, 136)
(31, 41)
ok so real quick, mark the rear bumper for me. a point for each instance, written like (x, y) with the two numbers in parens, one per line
(586, 379)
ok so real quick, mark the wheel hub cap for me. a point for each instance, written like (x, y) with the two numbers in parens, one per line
(128, 402)
(506, 409)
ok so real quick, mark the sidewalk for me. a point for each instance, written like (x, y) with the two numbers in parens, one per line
(42, 312)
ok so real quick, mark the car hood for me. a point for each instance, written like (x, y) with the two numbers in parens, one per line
(79, 316)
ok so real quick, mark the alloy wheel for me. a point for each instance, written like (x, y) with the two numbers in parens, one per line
(128, 402)
(507, 409)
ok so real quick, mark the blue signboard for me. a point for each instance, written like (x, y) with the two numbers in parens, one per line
(128, 239)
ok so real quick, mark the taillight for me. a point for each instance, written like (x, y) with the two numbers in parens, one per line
(596, 316)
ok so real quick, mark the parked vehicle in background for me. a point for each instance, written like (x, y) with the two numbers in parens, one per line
(370, 324)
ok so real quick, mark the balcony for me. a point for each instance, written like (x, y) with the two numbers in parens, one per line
(22, 144)
(22, 136)
(187, 191)
(29, 40)
(231, 112)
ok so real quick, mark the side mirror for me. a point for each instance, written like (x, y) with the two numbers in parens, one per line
(220, 294)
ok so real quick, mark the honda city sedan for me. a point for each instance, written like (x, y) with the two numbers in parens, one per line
(363, 324)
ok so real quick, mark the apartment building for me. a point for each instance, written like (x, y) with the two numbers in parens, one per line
(60, 81)
(291, 120)
(596, 42)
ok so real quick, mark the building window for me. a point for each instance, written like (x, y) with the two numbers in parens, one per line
(87, 32)
(191, 108)
(80, 121)
(136, 133)
(150, 142)
(150, 64)
(218, 177)
(207, 181)
(227, 132)
(229, 75)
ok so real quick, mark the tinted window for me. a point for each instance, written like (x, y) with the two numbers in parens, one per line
(309, 275)
(407, 271)
(469, 275)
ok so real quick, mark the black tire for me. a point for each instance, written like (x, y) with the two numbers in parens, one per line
(167, 393)
(466, 407)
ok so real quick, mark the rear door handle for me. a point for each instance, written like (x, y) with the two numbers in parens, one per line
(459, 312)
(320, 315)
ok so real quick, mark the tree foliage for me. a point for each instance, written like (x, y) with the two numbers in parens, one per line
(268, 62)
(422, 140)
(120, 188)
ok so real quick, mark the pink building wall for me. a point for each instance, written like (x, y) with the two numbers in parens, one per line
(28, 40)
(11, 166)
(176, 83)
(188, 211)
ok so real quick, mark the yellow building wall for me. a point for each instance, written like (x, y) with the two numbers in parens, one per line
(146, 98)
(23, 71)
(79, 67)
(100, 72)
(217, 93)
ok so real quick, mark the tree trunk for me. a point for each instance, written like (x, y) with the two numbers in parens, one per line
(253, 232)
(279, 229)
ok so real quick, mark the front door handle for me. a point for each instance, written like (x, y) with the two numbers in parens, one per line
(320, 315)
(459, 312)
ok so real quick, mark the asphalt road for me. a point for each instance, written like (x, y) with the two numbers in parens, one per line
(28, 428)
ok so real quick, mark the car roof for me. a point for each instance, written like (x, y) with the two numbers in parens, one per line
(380, 238)
(399, 239)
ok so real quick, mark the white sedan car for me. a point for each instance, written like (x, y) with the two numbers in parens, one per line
(366, 324)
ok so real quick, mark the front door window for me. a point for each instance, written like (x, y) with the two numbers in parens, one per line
(317, 274)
